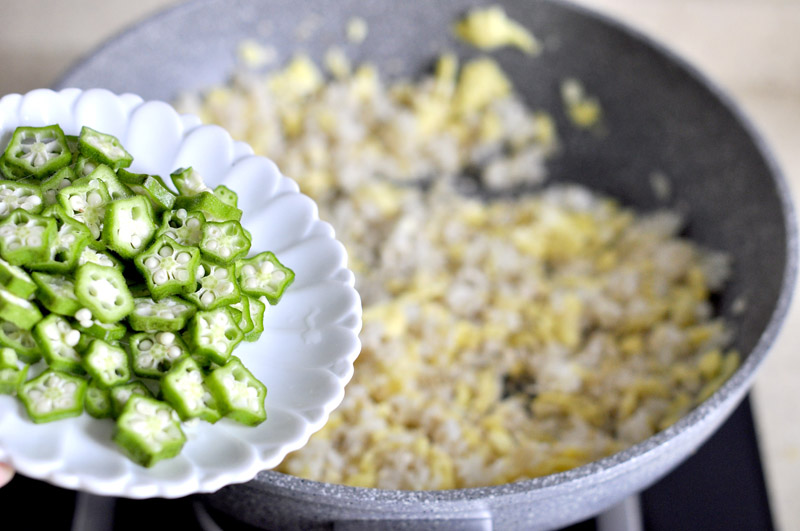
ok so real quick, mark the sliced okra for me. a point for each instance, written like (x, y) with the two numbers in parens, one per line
(11, 375)
(58, 181)
(120, 394)
(103, 148)
(97, 401)
(150, 186)
(153, 353)
(263, 275)
(66, 246)
(116, 188)
(17, 310)
(86, 201)
(53, 395)
(18, 194)
(224, 242)
(169, 314)
(129, 226)
(184, 389)
(257, 309)
(227, 195)
(57, 293)
(212, 207)
(239, 395)
(215, 287)
(104, 291)
(184, 227)
(11, 379)
(107, 364)
(188, 182)
(168, 268)
(11, 173)
(90, 255)
(21, 340)
(84, 166)
(72, 144)
(214, 334)
(37, 151)
(148, 431)
(25, 238)
(94, 329)
(241, 312)
(16, 280)
(58, 341)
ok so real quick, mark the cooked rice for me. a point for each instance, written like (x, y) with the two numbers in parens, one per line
(502, 339)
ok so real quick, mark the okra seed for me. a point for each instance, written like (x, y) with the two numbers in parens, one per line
(207, 298)
(249, 270)
(136, 240)
(151, 262)
(166, 338)
(221, 273)
(193, 223)
(183, 258)
(72, 338)
(212, 245)
(165, 251)
(182, 275)
(145, 344)
(84, 314)
(250, 283)
(277, 276)
(77, 203)
(160, 276)
(200, 272)
(174, 351)
(225, 252)
(94, 199)
(221, 346)
(267, 268)
(180, 213)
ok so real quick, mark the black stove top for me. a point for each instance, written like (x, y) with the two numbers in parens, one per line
(721, 487)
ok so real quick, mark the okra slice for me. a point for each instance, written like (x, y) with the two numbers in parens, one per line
(66, 246)
(97, 401)
(215, 287)
(169, 314)
(241, 312)
(11, 173)
(183, 388)
(11, 379)
(25, 238)
(72, 144)
(120, 394)
(148, 431)
(257, 309)
(104, 291)
(94, 329)
(17, 310)
(58, 340)
(103, 148)
(17, 194)
(224, 242)
(37, 151)
(264, 275)
(239, 395)
(53, 395)
(184, 227)
(85, 201)
(153, 353)
(212, 207)
(129, 226)
(11, 375)
(150, 186)
(21, 340)
(90, 255)
(58, 181)
(107, 364)
(188, 182)
(116, 188)
(84, 166)
(214, 334)
(16, 280)
(168, 268)
(57, 293)
(227, 195)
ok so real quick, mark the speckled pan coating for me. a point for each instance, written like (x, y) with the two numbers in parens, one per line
(662, 116)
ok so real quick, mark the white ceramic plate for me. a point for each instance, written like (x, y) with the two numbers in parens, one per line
(304, 357)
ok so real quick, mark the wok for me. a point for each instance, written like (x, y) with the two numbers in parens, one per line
(662, 115)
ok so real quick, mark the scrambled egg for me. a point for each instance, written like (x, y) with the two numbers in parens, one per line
(502, 340)
(490, 28)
